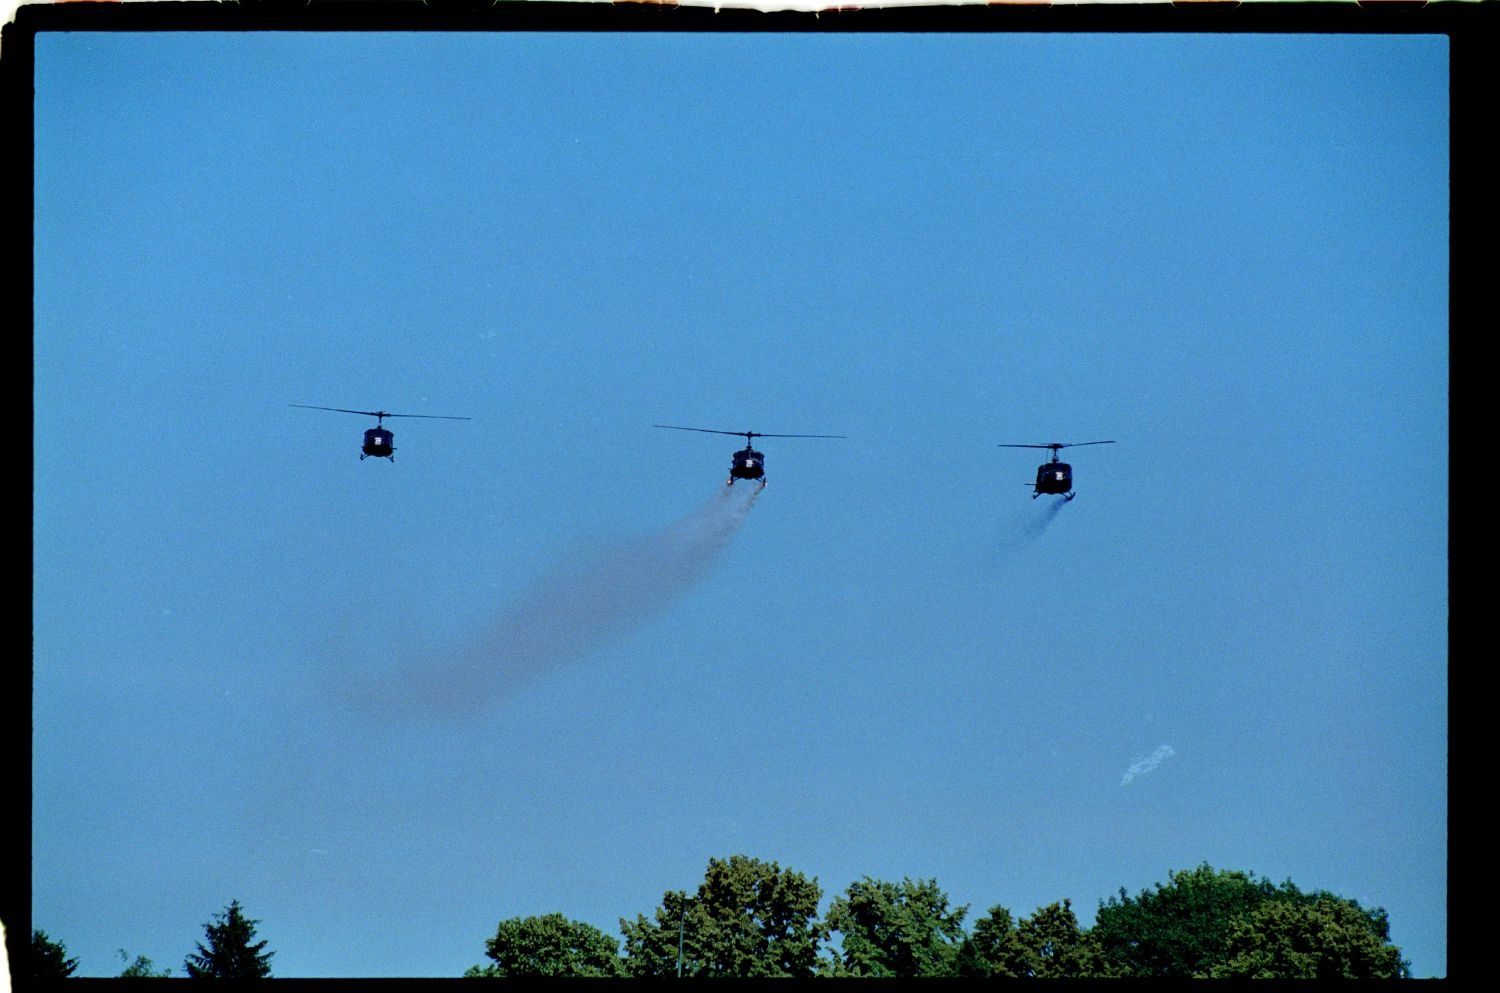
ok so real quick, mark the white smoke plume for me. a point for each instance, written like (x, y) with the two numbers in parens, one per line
(587, 600)
(1142, 766)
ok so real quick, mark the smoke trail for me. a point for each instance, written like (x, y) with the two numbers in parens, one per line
(1028, 526)
(590, 598)
(1142, 766)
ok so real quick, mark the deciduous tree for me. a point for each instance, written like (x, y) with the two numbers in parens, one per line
(550, 945)
(1180, 930)
(749, 918)
(991, 950)
(1050, 945)
(142, 968)
(896, 929)
(1328, 938)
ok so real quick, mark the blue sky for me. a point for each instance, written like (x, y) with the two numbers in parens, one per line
(544, 662)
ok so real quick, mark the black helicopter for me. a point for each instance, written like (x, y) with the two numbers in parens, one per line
(747, 462)
(1056, 477)
(379, 439)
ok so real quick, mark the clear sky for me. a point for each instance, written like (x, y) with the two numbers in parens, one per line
(545, 661)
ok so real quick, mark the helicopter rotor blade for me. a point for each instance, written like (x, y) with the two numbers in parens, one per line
(380, 413)
(1059, 444)
(342, 410)
(759, 435)
(440, 417)
(748, 434)
(678, 427)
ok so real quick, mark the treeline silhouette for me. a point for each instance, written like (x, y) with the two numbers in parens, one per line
(751, 918)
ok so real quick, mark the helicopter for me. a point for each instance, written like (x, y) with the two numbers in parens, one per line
(1055, 477)
(379, 439)
(747, 462)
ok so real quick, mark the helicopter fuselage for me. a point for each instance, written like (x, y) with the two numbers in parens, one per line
(379, 443)
(747, 464)
(1054, 477)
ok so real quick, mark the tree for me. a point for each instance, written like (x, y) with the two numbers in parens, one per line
(749, 918)
(1047, 945)
(896, 929)
(49, 959)
(1328, 938)
(991, 951)
(550, 945)
(141, 968)
(1050, 945)
(1180, 930)
(230, 954)
(651, 947)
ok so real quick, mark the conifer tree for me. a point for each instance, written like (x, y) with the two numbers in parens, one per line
(230, 953)
(49, 959)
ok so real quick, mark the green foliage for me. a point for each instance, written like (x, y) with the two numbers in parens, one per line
(1221, 924)
(749, 919)
(1050, 945)
(896, 929)
(651, 946)
(141, 968)
(1047, 945)
(49, 959)
(230, 954)
(1328, 938)
(991, 951)
(550, 945)
(1180, 930)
